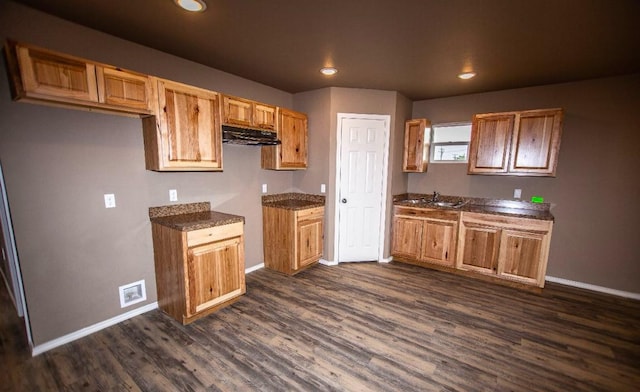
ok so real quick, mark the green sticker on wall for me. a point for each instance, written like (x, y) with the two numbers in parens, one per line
(537, 199)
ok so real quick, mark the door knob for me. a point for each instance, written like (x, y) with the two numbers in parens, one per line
(344, 200)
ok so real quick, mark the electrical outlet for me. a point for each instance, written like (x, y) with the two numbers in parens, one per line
(323, 188)
(109, 200)
(517, 193)
(264, 188)
(173, 195)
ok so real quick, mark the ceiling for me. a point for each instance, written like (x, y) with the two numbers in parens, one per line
(415, 47)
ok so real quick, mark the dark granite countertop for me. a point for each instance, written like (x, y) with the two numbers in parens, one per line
(191, 216)
(293, 201)
(514, 208)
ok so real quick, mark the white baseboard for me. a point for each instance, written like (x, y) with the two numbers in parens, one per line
(592, 287)
(386, 261)
(327, 262)
(68, 338)
(254, 268)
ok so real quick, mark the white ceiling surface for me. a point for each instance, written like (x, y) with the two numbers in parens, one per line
(415, 47)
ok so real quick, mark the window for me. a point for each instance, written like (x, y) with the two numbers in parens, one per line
(450, 142)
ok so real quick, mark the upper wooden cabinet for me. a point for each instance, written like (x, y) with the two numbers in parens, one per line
(417, 134)
(185, 132)
(246, 113)
(49, 77)
(291, 154)
(524, 143)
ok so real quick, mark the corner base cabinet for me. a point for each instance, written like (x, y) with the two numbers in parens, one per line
(293, 239)
(198, 271)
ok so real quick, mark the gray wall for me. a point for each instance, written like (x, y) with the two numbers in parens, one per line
(322, 107)
(59, 162)
(595, 194)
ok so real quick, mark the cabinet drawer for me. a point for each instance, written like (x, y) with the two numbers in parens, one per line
(507, 222)
(216, 233)
(427, 213)
(310, 213)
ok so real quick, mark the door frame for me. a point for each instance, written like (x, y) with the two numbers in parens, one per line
(385, 169)
(12, 257)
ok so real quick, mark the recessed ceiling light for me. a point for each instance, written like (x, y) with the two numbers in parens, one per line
(467, 75)
(328, 71)
(192, 5)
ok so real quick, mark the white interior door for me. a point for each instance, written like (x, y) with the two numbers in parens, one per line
(361, 180)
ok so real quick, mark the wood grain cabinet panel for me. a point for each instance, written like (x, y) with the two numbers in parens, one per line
(293, 239)
(515, 249)
(291, 154)
(247, 113)
(423, 235)
(200, 271)
(54, 78)
(125, 89)
(417, 138)
(478, 248)
(524, 143)
(185, 134)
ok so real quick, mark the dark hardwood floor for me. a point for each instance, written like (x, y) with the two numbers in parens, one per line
(352, 327)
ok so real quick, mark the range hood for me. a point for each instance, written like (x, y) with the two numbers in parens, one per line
(248, 136)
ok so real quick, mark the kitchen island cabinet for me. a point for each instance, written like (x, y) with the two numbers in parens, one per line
(199, 260)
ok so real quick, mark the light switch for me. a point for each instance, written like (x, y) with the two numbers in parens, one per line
(517, 193)
(323, 188)
(109, 200)
(264, 188)
(173, 195)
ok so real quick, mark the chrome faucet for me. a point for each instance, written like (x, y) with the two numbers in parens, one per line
(435, 196)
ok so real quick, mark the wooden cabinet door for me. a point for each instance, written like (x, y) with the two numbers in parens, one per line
(478, 248)
(292, 132)
(309, 244)
(214, 274)
(536, 142)
(439, 242)
(522, 256)
(406, 238)
(416, 145)
(291, 154)
(189, 128)
(264, 116)
(124, 89)
(237, 111)
(490, 143)
(49, 75)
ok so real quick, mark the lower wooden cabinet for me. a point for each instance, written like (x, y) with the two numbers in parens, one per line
(507, 248)
(512, 248)
(199, 271)
(425, 235)
(293, 239)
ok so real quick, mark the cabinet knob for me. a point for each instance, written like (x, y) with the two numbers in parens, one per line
(344, 200)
